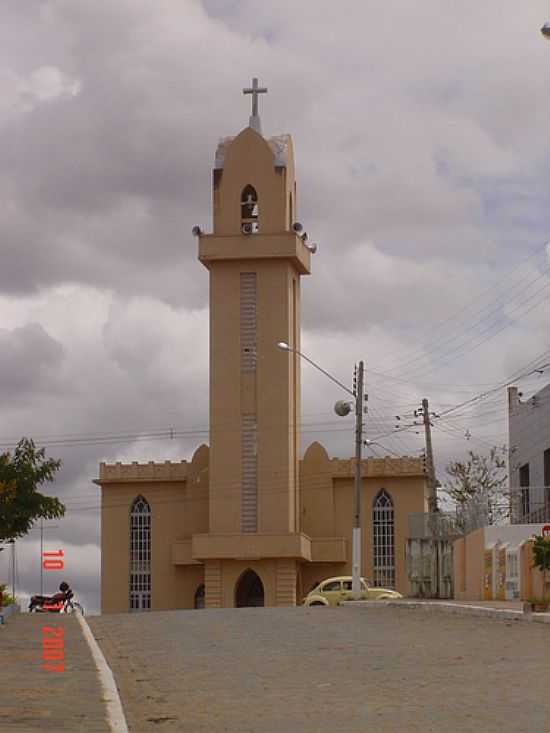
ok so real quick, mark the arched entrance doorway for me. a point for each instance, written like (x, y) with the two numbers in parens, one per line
(199, 596)
(249, 590)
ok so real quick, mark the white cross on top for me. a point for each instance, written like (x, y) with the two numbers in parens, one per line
(255, 90)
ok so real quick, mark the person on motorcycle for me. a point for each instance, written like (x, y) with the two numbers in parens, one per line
(64, 594)
(64, 590)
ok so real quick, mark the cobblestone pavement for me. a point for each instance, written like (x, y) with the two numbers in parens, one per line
(33, 700)
(344, 670)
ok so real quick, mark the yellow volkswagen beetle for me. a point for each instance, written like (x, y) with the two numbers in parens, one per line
(333, 591)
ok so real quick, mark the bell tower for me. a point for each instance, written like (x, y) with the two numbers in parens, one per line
(255, 260)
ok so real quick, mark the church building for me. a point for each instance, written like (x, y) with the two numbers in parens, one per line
(247, 521)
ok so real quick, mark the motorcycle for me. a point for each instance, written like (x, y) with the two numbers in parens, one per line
(61, 602)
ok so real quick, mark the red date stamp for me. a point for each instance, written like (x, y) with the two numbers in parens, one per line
(53, 637)
(53, 648)
(53, 564)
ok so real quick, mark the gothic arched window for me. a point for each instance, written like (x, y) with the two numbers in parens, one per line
(140, 555)
(250, 212)
(383, 540)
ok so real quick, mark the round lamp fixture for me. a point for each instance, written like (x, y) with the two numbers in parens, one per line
(342, 408)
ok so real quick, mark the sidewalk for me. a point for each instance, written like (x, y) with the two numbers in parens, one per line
(33, 700)
(499, 605)
(504, 610)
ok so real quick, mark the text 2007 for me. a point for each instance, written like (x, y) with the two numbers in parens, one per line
(53, 648)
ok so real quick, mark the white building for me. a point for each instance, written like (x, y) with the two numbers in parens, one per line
(529, 446)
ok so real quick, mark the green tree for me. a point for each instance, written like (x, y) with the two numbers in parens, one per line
(478, 489)
(22, 472)
(541, 558)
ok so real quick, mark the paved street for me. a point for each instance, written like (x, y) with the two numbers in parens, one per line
(342, 670)
(33, 700)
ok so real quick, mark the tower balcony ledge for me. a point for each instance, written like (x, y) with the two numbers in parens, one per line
(257, 546)
(250, 546)
(284, 245)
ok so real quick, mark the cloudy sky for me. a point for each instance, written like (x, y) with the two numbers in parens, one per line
(422, 141)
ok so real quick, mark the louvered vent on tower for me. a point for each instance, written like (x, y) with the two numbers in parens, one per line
(248, 322)
(249, 493)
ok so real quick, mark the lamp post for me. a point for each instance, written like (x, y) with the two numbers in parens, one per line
(343, 408)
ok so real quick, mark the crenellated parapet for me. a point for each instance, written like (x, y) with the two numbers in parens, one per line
(379, 467)
(152, 471)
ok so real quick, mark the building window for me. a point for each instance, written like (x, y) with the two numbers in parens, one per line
(250, 211)
(383, 541)
(140, 555)
(524, 482)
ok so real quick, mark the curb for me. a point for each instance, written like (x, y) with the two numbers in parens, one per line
(458, 609)
(8, 611)
(115, 712)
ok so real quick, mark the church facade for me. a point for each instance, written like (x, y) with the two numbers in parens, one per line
(246, 521)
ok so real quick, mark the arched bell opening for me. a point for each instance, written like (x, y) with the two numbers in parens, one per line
(250, 210)
(249, 590)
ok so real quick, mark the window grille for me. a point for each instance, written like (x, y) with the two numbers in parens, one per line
(140, 555)
(384, 541)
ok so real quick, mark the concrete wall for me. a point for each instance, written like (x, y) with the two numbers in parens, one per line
(480, 571)
(468, 561)
(529, 437)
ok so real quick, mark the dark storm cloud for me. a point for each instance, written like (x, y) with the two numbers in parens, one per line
(30, 362)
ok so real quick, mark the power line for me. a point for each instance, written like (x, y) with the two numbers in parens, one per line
(541, 250)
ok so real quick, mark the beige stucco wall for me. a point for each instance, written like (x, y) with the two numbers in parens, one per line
(271, 394)
(179, 508)
(180, 530)
(468, 561)
(327, 507)
(249, 160)
(278, 578)
(482, 553)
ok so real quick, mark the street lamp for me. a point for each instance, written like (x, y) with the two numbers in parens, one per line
(545, 30)
(342, 409)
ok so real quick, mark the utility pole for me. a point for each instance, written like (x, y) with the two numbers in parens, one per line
(432, 501)
(41, 556)
(12, 568)
(42, 528)
(356, 532)
(342, 409)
